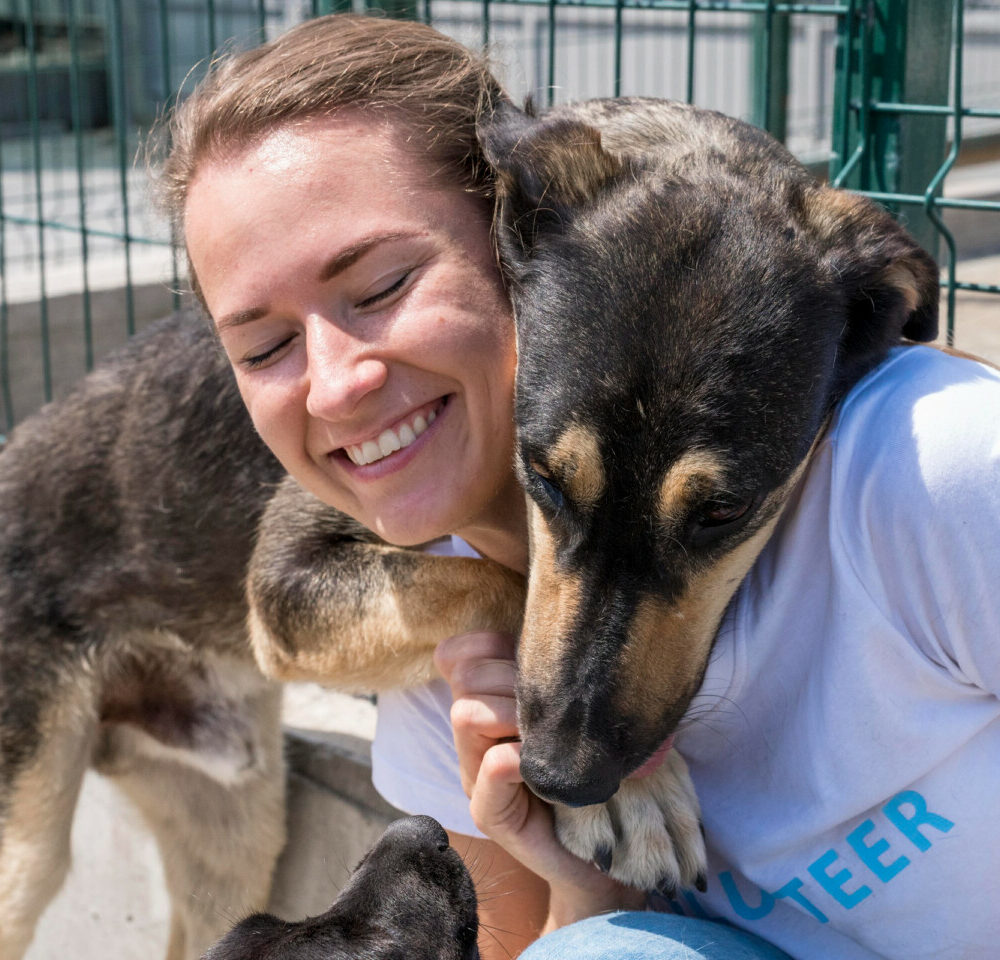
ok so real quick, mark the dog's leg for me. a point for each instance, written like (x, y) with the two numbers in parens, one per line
(331, 603)
(218, 815)
(37, 816)
(647, 835)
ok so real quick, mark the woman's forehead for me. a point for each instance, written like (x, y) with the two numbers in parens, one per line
(299, 196)
(301, 145)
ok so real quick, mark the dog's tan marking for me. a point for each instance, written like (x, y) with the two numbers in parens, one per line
(35, 838)
(900, 276)
(554, 597)
(569, 160)
(575, 458)
(670, 642)
(212, 876)
(386, 636)
(829, 210)
(836, 215)
(693, 471)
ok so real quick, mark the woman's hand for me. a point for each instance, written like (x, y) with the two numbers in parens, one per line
(481, 671)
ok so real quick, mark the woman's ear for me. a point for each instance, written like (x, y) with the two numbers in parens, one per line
(545, 167)
(889, 282)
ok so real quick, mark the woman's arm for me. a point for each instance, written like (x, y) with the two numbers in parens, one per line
(523, 852)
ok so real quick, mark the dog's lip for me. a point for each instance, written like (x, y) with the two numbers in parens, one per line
(655, 761)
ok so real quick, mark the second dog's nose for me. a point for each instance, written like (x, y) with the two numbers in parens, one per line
(419, 830)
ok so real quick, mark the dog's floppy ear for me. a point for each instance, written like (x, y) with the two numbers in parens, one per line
(890, 283)
(545, 167)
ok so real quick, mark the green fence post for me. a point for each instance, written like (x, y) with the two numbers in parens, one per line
(7, 424)
(922, 139)
(892, 52)
(398, 9)
(323, 7)
(769, 80)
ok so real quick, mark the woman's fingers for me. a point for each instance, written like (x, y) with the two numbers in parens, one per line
(476, 663)
(500, 805)
(480, 670)
(508, 813)
(477, 724)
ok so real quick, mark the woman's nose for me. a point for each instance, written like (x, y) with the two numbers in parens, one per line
(342, 371)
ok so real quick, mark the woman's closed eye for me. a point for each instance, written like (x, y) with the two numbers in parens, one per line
(256, 360)
(386, 293)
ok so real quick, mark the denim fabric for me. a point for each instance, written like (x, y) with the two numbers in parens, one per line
(650, 936)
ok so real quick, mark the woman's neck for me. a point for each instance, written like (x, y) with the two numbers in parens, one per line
(502, 535)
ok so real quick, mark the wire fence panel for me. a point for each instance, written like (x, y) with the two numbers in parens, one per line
(85, 259)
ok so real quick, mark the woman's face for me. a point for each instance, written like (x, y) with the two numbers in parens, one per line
(358, 301)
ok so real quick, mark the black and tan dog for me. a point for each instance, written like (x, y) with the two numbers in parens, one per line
(690, 307)
(411, 896)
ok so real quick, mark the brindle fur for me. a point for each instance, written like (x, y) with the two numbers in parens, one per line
(689, 300)
(131, 509)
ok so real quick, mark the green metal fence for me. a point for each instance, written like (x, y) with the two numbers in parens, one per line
(874, 92)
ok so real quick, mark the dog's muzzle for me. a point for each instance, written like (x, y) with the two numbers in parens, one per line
(557, 776)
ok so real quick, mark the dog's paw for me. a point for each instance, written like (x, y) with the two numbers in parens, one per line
(648, 835)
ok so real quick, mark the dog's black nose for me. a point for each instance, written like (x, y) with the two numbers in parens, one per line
(420, 831)
(559, 780)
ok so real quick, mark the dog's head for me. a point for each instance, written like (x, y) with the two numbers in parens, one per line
(690, 306)
(410, 897)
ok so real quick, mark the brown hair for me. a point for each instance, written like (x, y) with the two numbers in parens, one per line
(411, 74)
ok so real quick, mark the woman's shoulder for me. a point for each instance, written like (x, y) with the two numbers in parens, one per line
(922, 422)
(915, 502)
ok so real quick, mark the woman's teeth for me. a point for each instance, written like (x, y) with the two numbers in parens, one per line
(389, 441)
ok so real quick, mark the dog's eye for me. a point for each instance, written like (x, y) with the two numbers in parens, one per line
(717, 517)
(551, 491)
(719, 512)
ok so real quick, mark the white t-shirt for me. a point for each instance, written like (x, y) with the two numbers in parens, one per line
(845, 744)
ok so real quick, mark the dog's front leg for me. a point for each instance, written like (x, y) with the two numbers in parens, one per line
(648, 835)
(330, 602)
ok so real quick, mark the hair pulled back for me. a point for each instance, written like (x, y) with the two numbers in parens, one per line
(401, 71)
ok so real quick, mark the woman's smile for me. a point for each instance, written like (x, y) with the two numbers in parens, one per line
(396, 445)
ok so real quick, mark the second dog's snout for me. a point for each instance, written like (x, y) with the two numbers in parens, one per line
(419, 830)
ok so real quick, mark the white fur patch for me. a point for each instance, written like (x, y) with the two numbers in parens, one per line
(651, 826)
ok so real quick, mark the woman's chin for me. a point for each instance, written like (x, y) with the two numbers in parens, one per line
(407, 531)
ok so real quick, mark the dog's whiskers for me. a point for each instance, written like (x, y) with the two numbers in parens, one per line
(497, 940)
(492, 896)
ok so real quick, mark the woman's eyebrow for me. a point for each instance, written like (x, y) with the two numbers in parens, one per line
(239, 317)
(350, 255)
(335, 265)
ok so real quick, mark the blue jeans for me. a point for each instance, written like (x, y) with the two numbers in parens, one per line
(650, 936)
